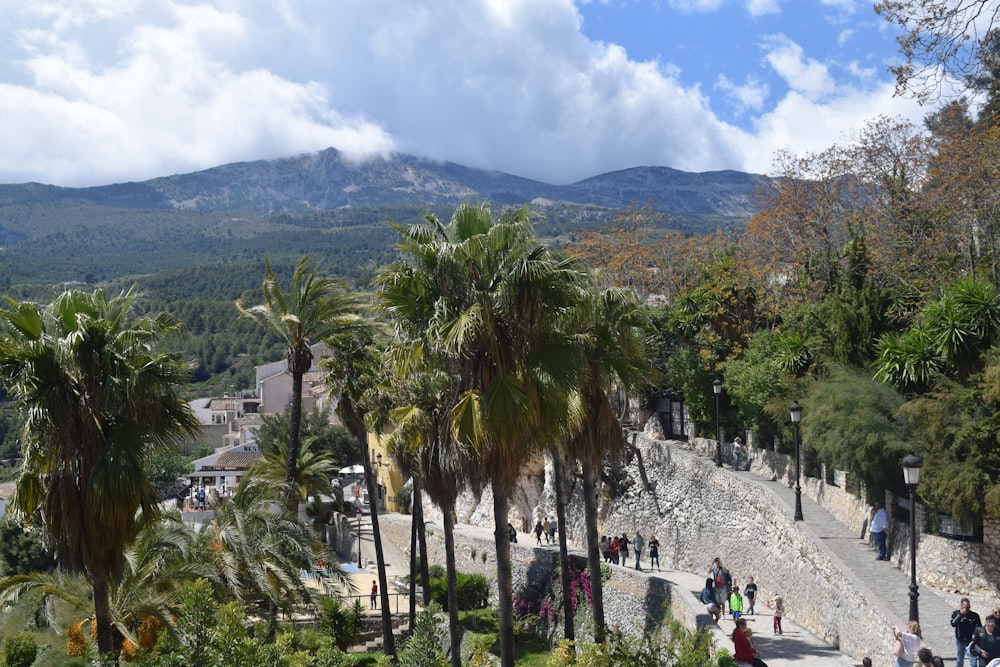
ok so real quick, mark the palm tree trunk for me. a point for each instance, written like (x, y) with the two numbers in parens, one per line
(418, 517)
(102, 616)
(564, 573)
(388, 641)
(451, 573)
(413, 568)
(505, 583)
(294, 442)
(593, 549)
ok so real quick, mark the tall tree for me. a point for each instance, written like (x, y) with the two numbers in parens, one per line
(99, 396)
(612, 329)
(942, 41)
(495, 296)
(314, 308)
(355, 372)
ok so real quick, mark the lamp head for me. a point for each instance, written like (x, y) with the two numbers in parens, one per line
(796, 412)
(717, 386)
(911, 469)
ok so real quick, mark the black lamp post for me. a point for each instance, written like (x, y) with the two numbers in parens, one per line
(717, 388)
(796, 411)
(911, 477)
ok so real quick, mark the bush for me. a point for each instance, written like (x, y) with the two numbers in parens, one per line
(404, 497)
(340, 621)
(472, 591)
(18, 650)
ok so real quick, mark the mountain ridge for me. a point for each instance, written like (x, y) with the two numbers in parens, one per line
(326, 180)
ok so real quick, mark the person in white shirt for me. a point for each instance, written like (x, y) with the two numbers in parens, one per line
(880, 524)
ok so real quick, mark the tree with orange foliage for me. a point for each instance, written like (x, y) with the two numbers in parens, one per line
(637, 253)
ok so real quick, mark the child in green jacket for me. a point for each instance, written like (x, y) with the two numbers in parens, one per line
(735, 603)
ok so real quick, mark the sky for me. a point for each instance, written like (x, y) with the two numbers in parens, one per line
(102, 91)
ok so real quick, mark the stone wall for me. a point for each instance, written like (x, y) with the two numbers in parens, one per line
(631, 602)
(698, 513)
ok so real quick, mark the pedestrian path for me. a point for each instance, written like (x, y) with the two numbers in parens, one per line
(796, 646)
(885, 584)
(889, 585)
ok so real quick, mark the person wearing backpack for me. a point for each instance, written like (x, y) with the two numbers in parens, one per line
(718, 584)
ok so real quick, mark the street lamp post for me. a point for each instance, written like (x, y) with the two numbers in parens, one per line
(911, 477)
(717, 388)
(796, 411)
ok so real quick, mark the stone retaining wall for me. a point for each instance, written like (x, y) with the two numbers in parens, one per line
(631, 602)
(956, 566)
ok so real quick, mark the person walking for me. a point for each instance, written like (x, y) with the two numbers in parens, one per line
(654, 553)
(623, 549)
(538, 532)
(965, 621)
(735, 603)
(374, 595)
(638, 544)
(778, 606)
(879, 526)
(737, 454)
(718, 584)
(750, 591)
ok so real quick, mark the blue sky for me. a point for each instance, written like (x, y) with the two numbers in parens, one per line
(100, 91)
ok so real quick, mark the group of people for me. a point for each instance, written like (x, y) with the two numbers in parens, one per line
(721, 590)
(616, 550)
(975, 638)
(546, 528)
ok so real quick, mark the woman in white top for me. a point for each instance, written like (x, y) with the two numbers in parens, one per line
(910, 639)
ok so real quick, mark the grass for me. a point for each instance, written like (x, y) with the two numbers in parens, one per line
(529, 650)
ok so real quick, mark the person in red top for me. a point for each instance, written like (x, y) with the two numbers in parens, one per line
(744, 652)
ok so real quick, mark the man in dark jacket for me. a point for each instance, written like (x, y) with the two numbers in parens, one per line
(965, 621)
(985, 644)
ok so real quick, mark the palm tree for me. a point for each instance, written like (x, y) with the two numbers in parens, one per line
(612, 332)
(422, 430)
(313, 470)
(156, 565)
(355, 371)
(314, 308)
(99, 397)
(257, 549)
(488, 298)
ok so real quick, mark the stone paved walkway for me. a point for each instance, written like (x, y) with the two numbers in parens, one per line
(884, 581)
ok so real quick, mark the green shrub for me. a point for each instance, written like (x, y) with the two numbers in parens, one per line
(404, 497)
(472, 591)
(340, 621)
(18, 650)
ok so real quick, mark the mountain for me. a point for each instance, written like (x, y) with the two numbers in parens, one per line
(322, 204)
(327, 180)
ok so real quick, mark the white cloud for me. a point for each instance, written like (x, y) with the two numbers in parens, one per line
(803, 75)
(750, 95)
(762, 7)
(847, 6)
(105, 91)
(695, 5)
